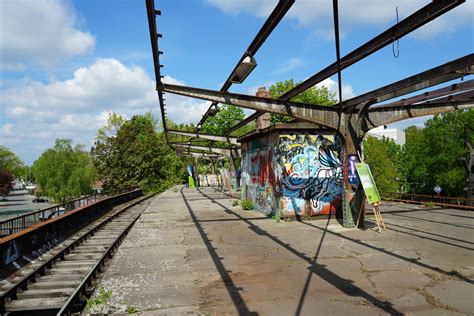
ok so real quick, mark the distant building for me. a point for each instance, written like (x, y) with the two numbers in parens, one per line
(393, 133)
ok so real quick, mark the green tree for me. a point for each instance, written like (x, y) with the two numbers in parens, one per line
(135, 154)
(314, 95)
(226, 118)
(64, 172)
(6, 180)
(383, 156)
(415, 153)
(436, 154)
(11, 162)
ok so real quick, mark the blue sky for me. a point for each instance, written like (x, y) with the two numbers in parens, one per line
(64, 65)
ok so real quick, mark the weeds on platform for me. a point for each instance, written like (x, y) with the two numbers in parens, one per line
(235, 202)
(277, 217)
(132, 310)
(100, 303)
(247, 205)
(97, 303)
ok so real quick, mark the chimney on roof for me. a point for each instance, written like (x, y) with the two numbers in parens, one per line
(264, 120)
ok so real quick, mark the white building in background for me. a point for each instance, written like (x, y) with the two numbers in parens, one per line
(397, 135)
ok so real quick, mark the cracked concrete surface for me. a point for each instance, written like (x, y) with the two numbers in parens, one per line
(191, 252)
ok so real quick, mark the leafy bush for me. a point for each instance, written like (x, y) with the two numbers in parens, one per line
(247, 205)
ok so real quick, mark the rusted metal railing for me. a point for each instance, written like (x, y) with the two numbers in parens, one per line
(16, 224)
(444, 201)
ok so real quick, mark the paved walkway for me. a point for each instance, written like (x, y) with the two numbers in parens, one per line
(192, 252)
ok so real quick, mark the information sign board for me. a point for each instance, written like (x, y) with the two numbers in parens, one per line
(368, 183)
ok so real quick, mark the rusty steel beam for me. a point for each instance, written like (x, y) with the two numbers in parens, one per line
(407, 25)
(452, 70)
(216, 150)
(272, 21)
(198, 154)
(323, 115)
(151, 14)
(467, 96)
(379, 117)
(227, 139)
(454, 88)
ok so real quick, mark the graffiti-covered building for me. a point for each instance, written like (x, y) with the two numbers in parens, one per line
(293, 170)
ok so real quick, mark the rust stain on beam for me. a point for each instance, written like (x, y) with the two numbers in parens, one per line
(323, 115)
(227, 139)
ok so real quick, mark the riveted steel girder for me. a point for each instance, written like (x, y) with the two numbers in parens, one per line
(452, 70)
(323, 115)
(384, 116)
(454, 88)
(426, 14)
(217, 150)
(227, 139)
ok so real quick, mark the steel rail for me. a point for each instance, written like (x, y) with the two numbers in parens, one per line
(31, 218)
(87, 282)
(47, 265)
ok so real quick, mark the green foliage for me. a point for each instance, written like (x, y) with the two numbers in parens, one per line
(227, 117)
(99, 302)
(384, 158)
(414, 159)
(6, 180)
(277, 217)
(64, 172)
(11, 162)
(435, 155)
(235, 202)
(132, 310)
(135, 154)
(247, 205)
(314, 95)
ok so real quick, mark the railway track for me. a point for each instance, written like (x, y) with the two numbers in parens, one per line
(60, 280)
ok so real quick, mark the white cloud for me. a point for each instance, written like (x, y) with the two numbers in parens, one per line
(41, 31)
(76, 108)
(332, 86)
(291, 64)
(317, 14)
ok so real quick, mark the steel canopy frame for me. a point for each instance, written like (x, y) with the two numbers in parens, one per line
(407, 25)
(354, 117)
(272, 21)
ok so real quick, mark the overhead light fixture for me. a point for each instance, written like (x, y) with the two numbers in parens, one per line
(244, 69)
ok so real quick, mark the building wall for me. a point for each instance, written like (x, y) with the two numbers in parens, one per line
(392, 133)
(295, 173)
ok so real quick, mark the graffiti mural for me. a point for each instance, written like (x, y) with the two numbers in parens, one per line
(258, 179)
(296, 174)
(312, 174)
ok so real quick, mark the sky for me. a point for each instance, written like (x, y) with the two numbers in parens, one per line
(65, 65)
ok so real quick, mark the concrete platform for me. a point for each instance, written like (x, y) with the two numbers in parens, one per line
(191, 252)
